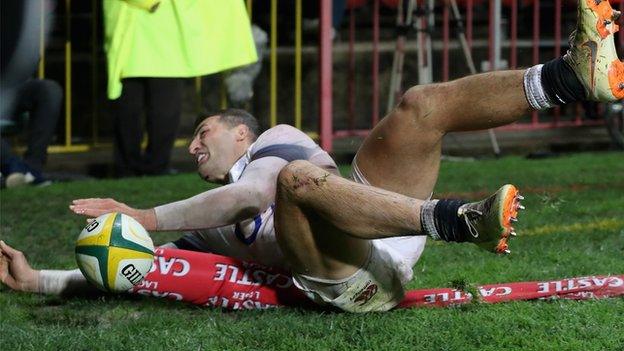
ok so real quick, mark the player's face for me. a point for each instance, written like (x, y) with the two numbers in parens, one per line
(216, 147)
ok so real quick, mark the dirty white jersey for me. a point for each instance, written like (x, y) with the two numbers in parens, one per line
(254, 239)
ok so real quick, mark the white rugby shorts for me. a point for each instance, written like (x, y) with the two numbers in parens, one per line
(379, 284)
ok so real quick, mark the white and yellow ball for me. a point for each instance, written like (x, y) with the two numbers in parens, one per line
(114, 252)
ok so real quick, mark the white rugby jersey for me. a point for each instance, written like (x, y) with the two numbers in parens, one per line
(254, 238)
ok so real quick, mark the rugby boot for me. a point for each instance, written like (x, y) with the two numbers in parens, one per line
(592, 53)
(490, 221)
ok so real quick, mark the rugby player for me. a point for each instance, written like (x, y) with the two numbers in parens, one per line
(283, 202)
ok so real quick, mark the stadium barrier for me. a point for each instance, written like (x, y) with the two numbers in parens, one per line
(516, 36)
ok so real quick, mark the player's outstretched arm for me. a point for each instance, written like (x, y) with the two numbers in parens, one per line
(252, 194)
(96, 207)
(15, 272)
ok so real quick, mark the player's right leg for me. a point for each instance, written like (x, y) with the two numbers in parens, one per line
(402, 152)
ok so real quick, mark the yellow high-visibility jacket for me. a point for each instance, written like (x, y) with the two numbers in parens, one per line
(174, 38)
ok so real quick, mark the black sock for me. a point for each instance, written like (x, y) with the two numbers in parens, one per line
(560, 83)
(449, 225)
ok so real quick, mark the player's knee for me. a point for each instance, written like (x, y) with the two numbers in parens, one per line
(293, 175)
(293, 170)
(414, 99)
(423, 104)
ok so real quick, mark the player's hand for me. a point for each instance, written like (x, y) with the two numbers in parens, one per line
(96, 207)
(15, 272)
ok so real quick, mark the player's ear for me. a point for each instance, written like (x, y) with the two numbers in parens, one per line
(242, 131)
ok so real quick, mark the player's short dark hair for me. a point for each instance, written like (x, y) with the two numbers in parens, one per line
(233, 117)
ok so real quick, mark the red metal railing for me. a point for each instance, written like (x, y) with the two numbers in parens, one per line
(325, 79)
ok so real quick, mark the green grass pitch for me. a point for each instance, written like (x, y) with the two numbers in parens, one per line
(573, 226)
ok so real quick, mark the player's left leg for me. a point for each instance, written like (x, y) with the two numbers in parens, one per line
(366, 212)
(324, 238)
(325, 226)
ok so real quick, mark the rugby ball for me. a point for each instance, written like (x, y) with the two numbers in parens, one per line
(114, 252)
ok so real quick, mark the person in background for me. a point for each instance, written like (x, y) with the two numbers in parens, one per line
(239, 82)
(41, 100)
(150, 45)
(21, 97)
